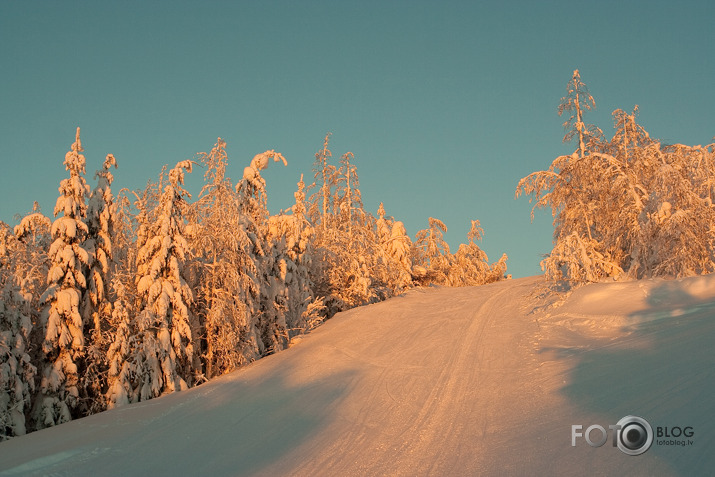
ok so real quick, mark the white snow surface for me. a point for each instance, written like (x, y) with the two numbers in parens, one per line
(440, 381)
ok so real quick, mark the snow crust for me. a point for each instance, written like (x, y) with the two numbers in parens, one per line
(441, 381)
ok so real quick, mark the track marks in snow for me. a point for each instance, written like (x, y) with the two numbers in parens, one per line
(474, 381)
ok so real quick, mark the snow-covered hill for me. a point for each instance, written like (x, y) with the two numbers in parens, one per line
(440, 381)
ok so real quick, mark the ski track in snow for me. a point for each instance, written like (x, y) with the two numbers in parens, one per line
(439, 381)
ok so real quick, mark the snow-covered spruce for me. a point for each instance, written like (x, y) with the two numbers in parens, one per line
(64, 329)
(164, 358)
(96, 306)
(17, 373)
(270, 324)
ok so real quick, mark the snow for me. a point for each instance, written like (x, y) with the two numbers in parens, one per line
(443, 381)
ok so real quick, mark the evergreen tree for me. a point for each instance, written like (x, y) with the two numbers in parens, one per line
(270, 324)
(97, 308)
(132, 369)
(470, 265)
(17, 372)
(122, 370)
(291, 235)
(396, 245)
(398, 250)
(348, 200)
(31, 264)
(64, 342)
(166, 355)
(383, 225)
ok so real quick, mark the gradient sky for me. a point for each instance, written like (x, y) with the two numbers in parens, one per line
(446, 105)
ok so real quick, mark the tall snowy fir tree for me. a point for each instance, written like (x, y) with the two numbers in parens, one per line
(125, 359)
(252, 203)
(121, 366)
(64, 339)
(300, 250)
(383, 225)
(398, 250)
(348, 200)
(319, 207)
(96, 306)
(166, 355)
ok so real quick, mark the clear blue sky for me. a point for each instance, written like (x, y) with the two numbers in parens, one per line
(446, 105)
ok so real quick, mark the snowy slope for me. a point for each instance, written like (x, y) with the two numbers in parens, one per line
(440, 381)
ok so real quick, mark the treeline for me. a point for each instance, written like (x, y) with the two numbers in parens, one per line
(122, 298)
(628, 207)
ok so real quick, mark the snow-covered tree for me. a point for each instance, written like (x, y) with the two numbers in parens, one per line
(225, 270)
(348, 200)
(470, 266)
(252, 188)
(677, 224)
(101, 217)
(291, 236)
(127, 369)
(398, 250)
(614, 202)
(431, 254)
(123, 334)
(567, 187)
(23, 276)
(166, 344)
(96, 307)
(361, 269)
(395, 247)
(64, 342)
(383, 225)
(17, 372)
(346, 247)
(577, 101)
(300, 249)
(321, 201)
(30, 262)
(122, 352)
(252, 203)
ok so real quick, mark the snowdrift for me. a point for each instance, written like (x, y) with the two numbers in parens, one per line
(439, 381)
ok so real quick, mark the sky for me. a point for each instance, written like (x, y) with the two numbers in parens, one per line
(445, 105)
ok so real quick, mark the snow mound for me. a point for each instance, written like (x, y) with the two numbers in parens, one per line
(633, 303)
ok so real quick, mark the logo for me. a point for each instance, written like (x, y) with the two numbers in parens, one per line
(633, 435)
